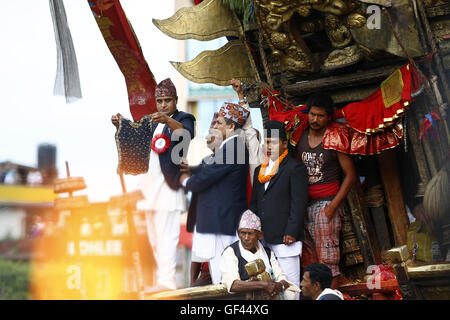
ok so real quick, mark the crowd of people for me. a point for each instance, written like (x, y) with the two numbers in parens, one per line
(250, 200)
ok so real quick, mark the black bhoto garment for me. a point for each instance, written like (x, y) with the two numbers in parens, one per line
(242, 262)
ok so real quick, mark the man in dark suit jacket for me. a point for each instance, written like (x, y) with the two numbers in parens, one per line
(280, 199)
(220, 184)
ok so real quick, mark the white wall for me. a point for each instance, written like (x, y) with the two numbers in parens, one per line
(12, 223)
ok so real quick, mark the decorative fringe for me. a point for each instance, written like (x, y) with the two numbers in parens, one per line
(67, 81)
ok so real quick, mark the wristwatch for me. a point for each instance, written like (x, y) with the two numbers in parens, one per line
(243, 100)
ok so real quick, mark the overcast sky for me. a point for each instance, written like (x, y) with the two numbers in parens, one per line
(82, 131)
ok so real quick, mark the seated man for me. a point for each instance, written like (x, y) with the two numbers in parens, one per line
(247, 249)
(316, 283)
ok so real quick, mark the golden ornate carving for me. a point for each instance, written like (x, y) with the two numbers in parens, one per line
(233, 60)
(340, 58)
(335, 16)
(336, 7)
(338, 33)
(439, 11)
(440, 28)
(209, 20)
(434, 3)
(273, 17)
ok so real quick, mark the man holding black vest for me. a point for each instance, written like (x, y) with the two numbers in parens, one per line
(164, 198)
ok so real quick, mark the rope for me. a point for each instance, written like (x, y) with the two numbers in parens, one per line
(264, 61)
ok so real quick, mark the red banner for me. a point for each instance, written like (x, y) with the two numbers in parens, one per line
(125, 48)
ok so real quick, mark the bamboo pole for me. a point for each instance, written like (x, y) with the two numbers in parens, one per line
(135, 255)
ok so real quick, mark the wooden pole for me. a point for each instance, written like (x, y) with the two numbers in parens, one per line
(135, 255)
(388, 167)
(432, 42)
(368, 241)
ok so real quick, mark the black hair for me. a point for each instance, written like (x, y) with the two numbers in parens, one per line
(321, 100)
(276, 128)
(236, 124)
(319, 272)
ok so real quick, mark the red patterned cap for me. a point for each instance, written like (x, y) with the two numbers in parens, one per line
(234, 112)
(165, 88)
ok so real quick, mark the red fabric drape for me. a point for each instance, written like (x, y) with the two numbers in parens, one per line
(371, 115)
(344, 139)
(124, 46)
(294, 118)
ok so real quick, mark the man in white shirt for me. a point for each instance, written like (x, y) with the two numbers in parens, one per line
(247, 249)
(164, 197)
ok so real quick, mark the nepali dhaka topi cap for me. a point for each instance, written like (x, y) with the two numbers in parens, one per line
(165, 88)
(234, 112)
(249, 220)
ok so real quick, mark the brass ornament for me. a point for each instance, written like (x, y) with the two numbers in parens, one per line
(338, 33)
(220, 66)
(336, 7)
(335, 16)
(273, 18)
(209, 20)
(434, 3)
(340, 58)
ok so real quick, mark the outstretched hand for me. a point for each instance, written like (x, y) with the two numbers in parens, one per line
(115, 119)
(237, 86)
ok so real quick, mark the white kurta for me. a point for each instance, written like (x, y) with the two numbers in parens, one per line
(163, 207)
(158, 195)
(209, 247)
(255, 153)
(230, 270)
